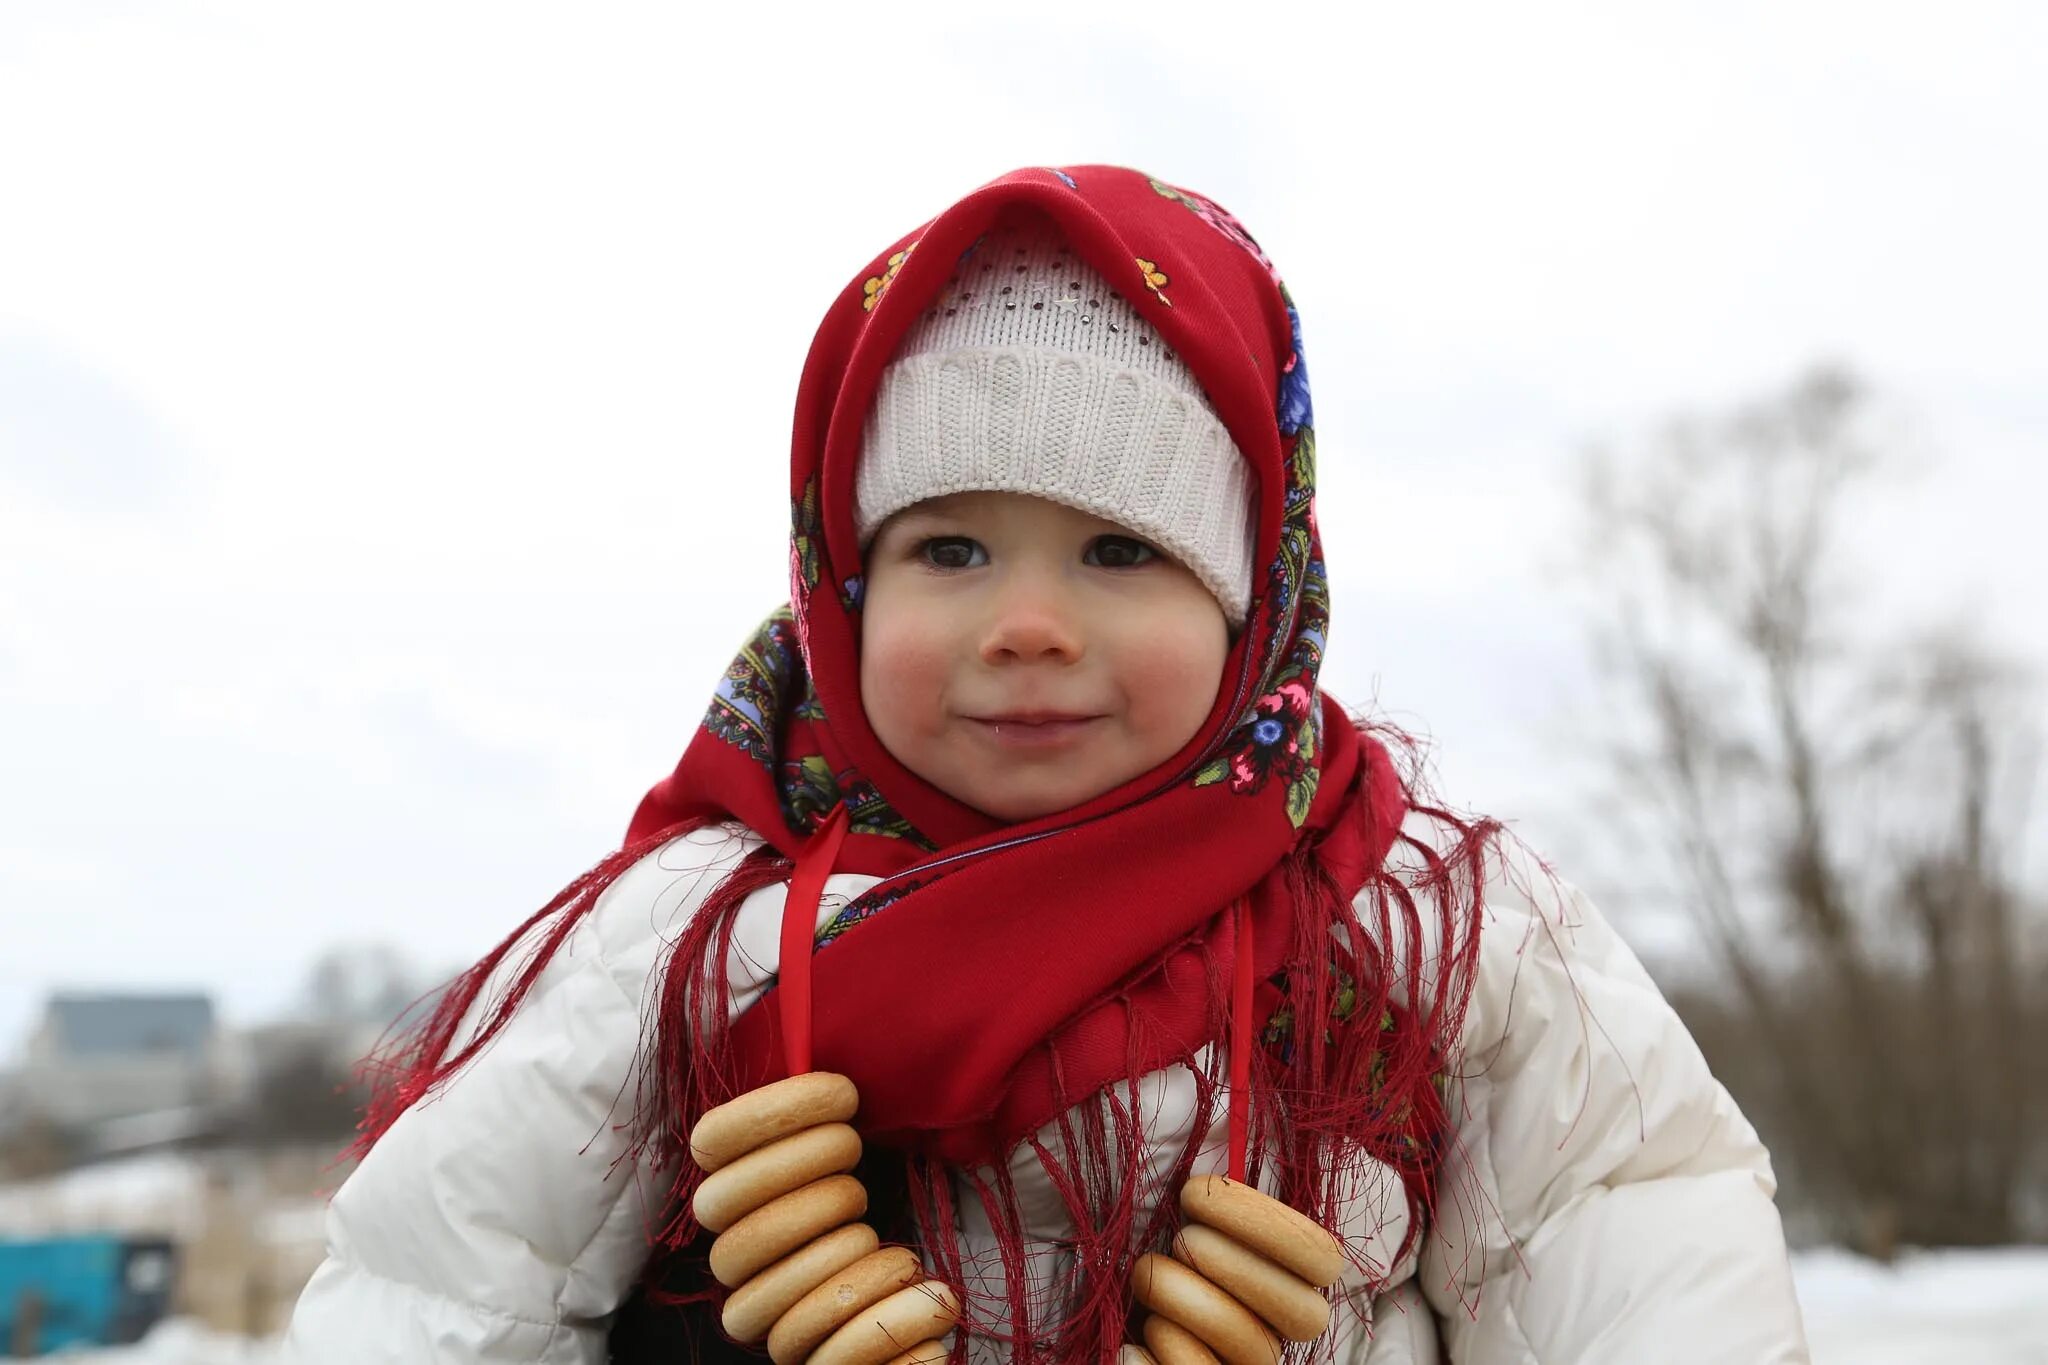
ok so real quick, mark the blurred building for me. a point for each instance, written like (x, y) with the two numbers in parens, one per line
(94, 1059)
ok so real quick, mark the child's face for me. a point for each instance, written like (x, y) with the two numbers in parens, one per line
(1023, 657)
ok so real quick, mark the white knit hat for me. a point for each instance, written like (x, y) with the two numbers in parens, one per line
(1030, 375)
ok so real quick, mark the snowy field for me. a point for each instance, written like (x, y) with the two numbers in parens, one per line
(1943, 1308)
(1950, 1308)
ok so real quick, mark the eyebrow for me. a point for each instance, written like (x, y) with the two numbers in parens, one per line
(922, 514)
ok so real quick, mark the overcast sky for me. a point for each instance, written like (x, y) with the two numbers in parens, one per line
(394, 398)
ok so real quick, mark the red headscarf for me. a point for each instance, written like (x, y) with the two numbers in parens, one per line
(1000, 975)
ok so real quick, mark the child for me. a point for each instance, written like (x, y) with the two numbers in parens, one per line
(1112, 895)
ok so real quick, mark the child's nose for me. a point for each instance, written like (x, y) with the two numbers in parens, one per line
(1032, 623)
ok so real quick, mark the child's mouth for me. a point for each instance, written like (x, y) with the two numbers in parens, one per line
(1034, 729)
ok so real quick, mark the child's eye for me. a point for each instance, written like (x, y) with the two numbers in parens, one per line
(1118, 552)
(952, 552)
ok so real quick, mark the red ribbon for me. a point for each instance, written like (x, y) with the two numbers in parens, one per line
(1241, 1037)
(800, 933)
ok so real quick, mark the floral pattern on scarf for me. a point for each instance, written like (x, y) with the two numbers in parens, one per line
(1296, 413)
(806, 533)
(764, 678)
(862, 908)
(878, 285)
(1277, 736)
(810, 789)
(751, 693)
(1218, 217)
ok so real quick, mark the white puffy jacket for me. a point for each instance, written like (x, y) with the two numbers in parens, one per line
(1622, 1205)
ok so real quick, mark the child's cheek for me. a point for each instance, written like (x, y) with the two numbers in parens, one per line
(1170, 669)
(904, 667)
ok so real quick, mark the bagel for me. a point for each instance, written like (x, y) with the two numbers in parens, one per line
(1266, 1225)
(821, 1312)
(1287, 1303)
(754, 1307)
(1172, 1344)
(736, 1190)
(759, 1117)
(1225, 1326)
(782, 1225)
(876, 1334)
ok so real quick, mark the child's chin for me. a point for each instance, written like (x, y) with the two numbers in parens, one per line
(1014, 806)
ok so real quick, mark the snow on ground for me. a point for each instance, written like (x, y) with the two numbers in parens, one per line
(161, 1193)
(1934, 1308)
(182, 1343)
(1940, 1308)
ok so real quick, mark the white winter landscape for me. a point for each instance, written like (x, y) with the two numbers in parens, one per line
(1943, 1308)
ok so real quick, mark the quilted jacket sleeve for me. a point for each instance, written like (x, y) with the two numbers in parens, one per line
(1606, 1202)
(490, 1224)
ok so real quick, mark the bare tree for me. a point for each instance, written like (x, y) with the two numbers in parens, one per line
(1840, 810)
(303, 1093)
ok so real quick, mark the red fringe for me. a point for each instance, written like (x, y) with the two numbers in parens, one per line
(1346, 1095)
